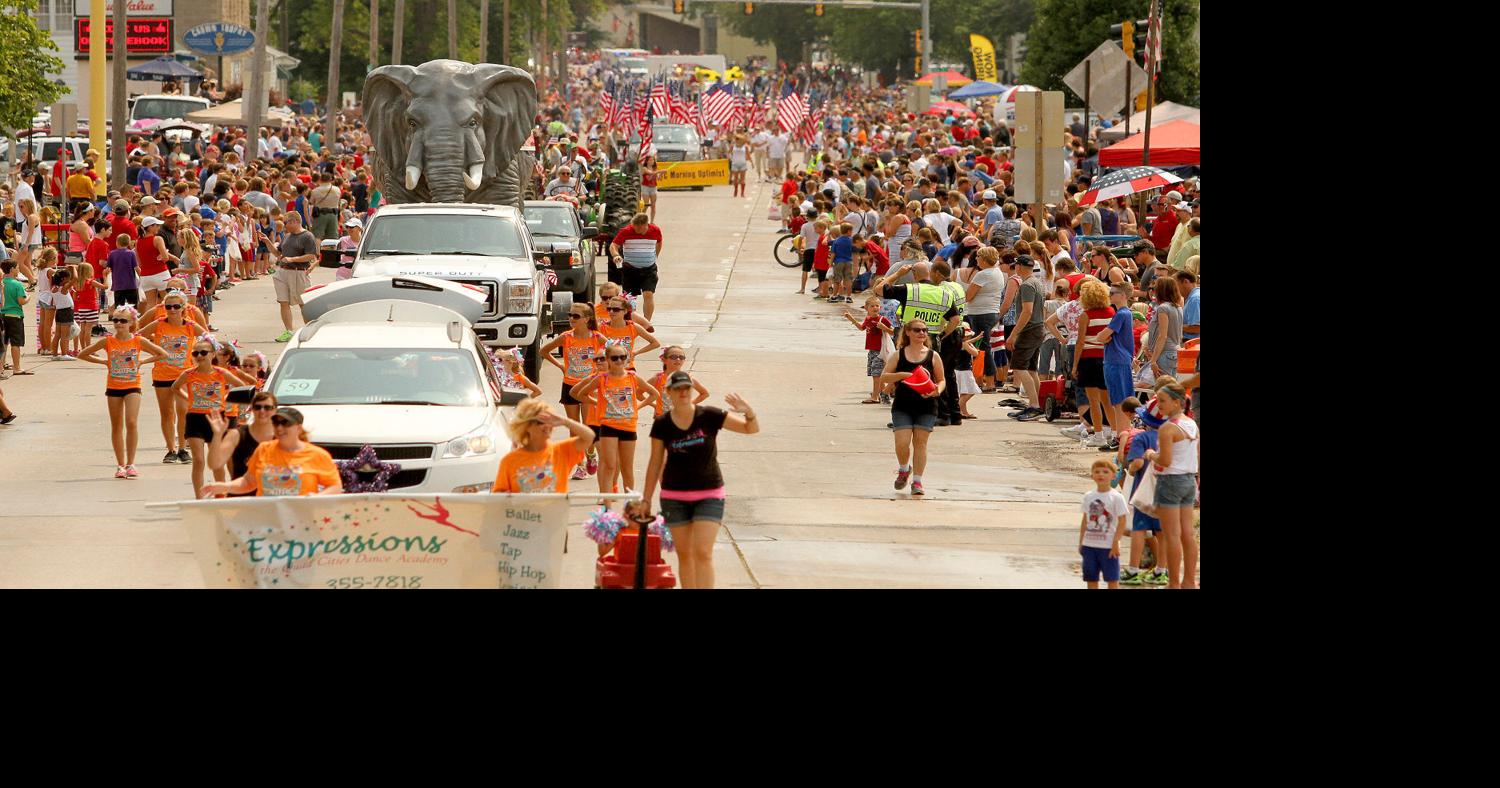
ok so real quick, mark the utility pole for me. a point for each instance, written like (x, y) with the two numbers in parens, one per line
(97, 85)
(399, 24)
(484, 31)
(335, 47)
(541, 50)
(505, 32)
(119, 116)
(255, 98)
(452, 29)
(374, 35)
(926, 37)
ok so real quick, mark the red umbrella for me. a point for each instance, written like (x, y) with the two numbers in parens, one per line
(941, 108)
(1125, 182)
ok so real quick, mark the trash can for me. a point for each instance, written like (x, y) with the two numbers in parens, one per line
(328, 256)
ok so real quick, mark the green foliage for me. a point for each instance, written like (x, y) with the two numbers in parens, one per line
(786, 27)
(26, 82)
(1066, 31)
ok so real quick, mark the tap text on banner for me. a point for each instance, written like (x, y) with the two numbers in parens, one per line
(677, 174)
(382, 540)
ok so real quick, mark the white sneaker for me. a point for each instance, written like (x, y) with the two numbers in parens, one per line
(1075, 431)
(1096, 440)
(1109, 433)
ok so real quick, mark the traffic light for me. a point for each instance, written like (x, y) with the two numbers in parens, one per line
(818, 9)
(916, 41)
(679, 6)
(749, 9)
(1130, 40)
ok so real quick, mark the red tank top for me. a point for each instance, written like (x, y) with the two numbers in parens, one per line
(146, 255)
(1095, 321)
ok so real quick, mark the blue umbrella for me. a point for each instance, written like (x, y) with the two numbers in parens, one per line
(165, 67)
(978, 88)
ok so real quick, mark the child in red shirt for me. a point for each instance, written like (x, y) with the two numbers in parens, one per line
(820, 258)
(875, 327)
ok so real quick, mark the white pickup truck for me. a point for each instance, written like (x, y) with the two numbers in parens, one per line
(485, 246)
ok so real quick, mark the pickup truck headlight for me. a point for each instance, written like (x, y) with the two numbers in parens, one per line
(478, 442)
(518, 297)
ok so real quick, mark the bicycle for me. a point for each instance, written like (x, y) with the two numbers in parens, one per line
(785, 250)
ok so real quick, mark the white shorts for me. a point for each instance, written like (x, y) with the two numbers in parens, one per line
(154, 282)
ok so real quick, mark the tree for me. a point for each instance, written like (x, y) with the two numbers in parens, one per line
(331, 134)
(1066, 31)
(25, 82)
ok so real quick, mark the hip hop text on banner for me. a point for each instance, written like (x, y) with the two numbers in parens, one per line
(385, 540)
(676, 174)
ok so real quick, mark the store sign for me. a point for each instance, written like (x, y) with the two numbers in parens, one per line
(143, 36)
(132, 7)
(219, 38)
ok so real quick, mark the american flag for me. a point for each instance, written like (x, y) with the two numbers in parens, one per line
(790, 110)
(620, 119)
(681, 112)
(659, 100)
(1153, 37)
(607, 101)
(695, 117)
(642, 105)
(719, 105)
(814, 120)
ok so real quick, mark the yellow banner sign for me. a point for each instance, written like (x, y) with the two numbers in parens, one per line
(984, 58)
(678, 174)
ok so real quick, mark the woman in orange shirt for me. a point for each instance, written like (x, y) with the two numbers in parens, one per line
(288, 465)
(536, 464)
(620, 396)
(123, 351)
(619, 333)
(200, 391)
(174, 333)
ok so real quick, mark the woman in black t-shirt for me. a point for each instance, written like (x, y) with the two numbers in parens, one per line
(684, 459)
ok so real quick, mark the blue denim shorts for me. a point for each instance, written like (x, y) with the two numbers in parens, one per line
(1096, 561)
(901, 420)
(1176, 491)
(684, 512)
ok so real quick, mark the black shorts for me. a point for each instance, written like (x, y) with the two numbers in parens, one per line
(639, 280)
(65, 315)
(162, 384)
(567, 394)
(1025, 348)
(822, 274)
(1091, 373)
(808, 255)
(120, 392)
(131, 296)
(606, 431)
(15, 330)
(198, 427)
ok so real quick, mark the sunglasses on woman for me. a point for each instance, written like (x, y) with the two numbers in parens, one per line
(281, 421)
(266, 408)
(173, 306)
(916, 330)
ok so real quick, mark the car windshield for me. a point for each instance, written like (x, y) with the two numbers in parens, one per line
(165, 107)
(481, 235)
(680, 135)
(555, 222)
(363, 376)
(41, 150)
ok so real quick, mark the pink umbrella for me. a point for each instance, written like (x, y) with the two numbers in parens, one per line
(941, 108)
(951, 150)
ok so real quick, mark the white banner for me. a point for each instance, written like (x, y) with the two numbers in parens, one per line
(384, 540)
(132, 7)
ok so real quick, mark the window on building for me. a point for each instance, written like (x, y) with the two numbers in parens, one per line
(44, 14)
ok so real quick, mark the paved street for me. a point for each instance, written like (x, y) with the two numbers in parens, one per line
(810, 498)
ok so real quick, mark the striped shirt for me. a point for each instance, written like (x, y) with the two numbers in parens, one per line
(1098, 320)
(638, 249)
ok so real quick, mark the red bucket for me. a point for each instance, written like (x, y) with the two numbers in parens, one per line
(920, 381)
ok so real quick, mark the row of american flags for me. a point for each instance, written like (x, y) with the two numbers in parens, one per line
(725, 104)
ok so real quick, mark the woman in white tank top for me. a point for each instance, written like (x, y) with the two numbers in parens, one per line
(1177, 485)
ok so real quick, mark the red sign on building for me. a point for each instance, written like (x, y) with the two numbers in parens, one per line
(143, 35)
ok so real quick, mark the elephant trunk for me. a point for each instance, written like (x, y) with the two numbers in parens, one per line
(414, 162)
(444, 168)
(473, 161)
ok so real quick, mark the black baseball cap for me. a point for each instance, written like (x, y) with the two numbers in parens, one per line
(290, 414)
(679, 379)
(1025, 260)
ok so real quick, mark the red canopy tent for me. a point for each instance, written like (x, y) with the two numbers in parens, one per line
(1173, 144)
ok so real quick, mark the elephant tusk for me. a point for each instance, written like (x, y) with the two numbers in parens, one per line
(413, 174)
(474, 176)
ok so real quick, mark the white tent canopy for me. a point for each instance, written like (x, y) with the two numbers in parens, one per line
(232, 113)
(1165, 112)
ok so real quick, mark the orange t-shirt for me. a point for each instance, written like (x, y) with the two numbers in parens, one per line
(278, 472)
(124, 363)
(192, 313)
(621, 337)
(619, 402)
(207, 391)
(578, 356)
(544, 471)
(177, 341)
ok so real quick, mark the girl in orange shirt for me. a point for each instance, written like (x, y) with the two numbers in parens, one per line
(620, 396)
(672, 358)
(618, 333)
(200, 391)
(124, 353)
(580, 347)
(174, 334)
(610, 291)
(287, 465)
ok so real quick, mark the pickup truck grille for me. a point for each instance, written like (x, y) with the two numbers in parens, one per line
(491, 294)
(670, 155)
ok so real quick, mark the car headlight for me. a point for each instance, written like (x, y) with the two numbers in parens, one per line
(478, 442)
(518, 297)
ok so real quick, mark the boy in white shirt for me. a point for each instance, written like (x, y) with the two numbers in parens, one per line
(1104, 509)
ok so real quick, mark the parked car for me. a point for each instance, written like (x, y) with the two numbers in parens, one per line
(393, 363)
(486, 246)
(561, 242)
(159, 106)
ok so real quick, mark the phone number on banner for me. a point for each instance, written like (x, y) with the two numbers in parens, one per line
(378, 581)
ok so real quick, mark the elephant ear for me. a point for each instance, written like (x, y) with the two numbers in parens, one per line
(387, 95)
(509, 96)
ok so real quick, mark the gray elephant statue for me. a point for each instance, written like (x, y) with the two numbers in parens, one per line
(447, 131)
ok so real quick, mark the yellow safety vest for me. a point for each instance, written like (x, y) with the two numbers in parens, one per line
(957, 289)
(928, 303)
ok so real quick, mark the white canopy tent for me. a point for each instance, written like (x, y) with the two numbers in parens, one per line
(1165, 112)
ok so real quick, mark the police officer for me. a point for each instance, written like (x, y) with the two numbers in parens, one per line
(936, 307)
(950, 346)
